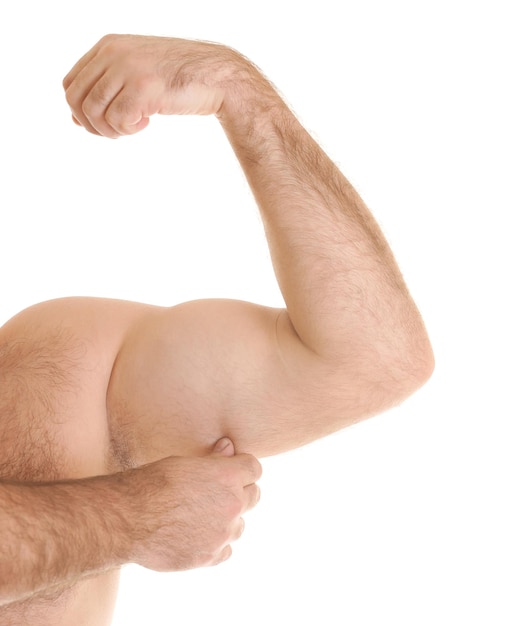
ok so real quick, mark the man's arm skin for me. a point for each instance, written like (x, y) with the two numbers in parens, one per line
(175, 514)
(351, 342)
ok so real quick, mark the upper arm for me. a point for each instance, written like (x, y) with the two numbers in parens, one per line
(187, 375)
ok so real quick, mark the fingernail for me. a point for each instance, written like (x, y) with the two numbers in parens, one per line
(222, 444)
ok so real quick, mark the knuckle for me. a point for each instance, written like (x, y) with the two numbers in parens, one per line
(107, 40)
(253, 467)
(100, 92)
(118, 114)
(113, 117)
(89, 107)
(97, 100)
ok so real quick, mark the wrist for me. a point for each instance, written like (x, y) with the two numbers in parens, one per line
(138, 511)
(249, 97)
(125, 503)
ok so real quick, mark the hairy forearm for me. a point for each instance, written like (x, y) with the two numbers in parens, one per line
(345, 295)
(56, 533)
(346, 299)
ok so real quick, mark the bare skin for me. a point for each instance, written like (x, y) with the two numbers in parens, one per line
(126, 391)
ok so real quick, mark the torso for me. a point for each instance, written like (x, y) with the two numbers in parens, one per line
(55, 365)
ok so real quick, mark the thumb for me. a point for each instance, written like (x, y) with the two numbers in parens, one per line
(224, 447)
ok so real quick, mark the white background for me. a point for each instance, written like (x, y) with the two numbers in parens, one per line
(399, 520)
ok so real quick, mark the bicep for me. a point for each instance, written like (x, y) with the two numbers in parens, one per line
(201, 370)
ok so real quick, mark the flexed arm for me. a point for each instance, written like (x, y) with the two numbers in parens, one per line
(344, 292)
(351, 341)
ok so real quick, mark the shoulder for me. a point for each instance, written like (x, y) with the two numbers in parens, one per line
(71, 325)
(56, 358)
(52, 346)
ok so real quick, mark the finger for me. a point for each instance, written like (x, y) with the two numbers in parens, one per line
(88, 127)
(81, 64)
(251, 497)
(90, 94)
(76, 94)
(238, 530)
(224, 555)
(97, 103)
(224, 447)
(252, 470)
(85, 60)
(130, 110)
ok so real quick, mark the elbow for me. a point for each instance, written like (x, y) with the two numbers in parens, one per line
(392, 372)
(428, 364)
(412, 369)
(423, 359)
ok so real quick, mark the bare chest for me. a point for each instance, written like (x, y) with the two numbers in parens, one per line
(53, 419)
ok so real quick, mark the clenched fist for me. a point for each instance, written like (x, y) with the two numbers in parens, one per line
(124, 79)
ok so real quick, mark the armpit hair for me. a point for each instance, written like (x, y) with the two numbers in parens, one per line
(35, 377)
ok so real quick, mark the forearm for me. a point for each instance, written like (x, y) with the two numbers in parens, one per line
(345, 297)
(56, 533)
(342, 287)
